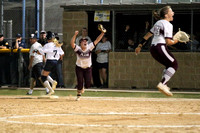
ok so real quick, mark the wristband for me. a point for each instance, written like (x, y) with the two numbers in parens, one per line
(140, 45)
(143, 41)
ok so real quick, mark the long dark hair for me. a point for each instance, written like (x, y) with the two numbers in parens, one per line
(160, 14)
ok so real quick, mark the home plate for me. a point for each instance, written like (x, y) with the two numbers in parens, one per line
(48, 97)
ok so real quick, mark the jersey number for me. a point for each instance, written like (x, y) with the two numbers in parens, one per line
(157, 30)
(55, 53)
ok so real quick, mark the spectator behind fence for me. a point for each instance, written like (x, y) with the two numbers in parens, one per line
(4, 61)
(84, 34)
(16, 60)
(131, 44)
(18, 44)
(43, 39)
(125, 35)
(102, 50)
(194, 44)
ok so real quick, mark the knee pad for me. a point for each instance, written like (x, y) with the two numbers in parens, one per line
(43, 78)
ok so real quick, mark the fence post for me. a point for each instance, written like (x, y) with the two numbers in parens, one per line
(37, 17)
(20, 67)
(1, 20)
(23, 20)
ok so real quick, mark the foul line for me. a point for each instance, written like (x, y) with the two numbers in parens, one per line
(98, 125)
(6, 119)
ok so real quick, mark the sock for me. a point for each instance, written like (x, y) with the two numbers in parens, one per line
(47, 85)
(47, 90)
(168, 74)
(50, 79)
(163, 73)
(32, 83)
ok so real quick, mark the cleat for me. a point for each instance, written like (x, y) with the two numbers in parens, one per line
(78, 96)
(164, 89)
(50, 93)
(29, 92)
(54, 85)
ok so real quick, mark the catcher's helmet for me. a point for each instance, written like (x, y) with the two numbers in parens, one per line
(50, 35)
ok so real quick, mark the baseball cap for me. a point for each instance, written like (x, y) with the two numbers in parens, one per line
(33, 36)
(50, 35)
(1, 35)
(42, 32)
(83, 39)
(18, 35)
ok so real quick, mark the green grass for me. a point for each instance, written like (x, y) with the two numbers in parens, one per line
(14, 92)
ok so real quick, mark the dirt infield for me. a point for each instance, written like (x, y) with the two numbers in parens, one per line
(19, 114)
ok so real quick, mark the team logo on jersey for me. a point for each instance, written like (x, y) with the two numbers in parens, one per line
(84, 54)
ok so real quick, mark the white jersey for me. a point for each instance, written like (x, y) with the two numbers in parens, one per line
(84, 57)
(33, 52)
(102, 57)
(52, 52)
(162, 29)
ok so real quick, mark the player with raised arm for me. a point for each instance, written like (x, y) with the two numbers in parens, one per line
(53, 52)
(83, 62)
(162, 33)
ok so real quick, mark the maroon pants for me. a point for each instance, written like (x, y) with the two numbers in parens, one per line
(161, 53)
(84, 77)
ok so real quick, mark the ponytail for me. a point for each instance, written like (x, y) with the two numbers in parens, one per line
(160, 14)
(57, 43)
(156, 14)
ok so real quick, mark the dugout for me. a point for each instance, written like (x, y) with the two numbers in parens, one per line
(126, 69)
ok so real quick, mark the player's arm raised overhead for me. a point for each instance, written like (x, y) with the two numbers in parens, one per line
(144, 40)
(73, 39)
(103, 31)
(99, 38)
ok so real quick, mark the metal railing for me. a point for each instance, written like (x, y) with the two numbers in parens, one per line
(15, 57)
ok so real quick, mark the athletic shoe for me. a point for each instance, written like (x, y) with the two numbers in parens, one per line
(54, 85)
(164, 89)
(51, 92)
(29, 92)
(78, 96)
(168, 88)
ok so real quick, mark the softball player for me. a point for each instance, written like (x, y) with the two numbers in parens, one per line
(35, 62)
(53, 53)
(162, 32)
(83, 62)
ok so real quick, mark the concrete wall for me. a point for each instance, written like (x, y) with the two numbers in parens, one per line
(71, 21)
(126, 70)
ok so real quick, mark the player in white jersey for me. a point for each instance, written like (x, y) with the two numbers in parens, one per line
(84, 62)
(162, 32)
(52, 53)
(35, 63)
